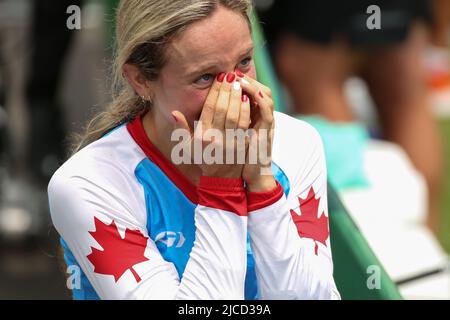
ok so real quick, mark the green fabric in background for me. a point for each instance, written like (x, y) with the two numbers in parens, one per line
(344, 145)
(444, 217)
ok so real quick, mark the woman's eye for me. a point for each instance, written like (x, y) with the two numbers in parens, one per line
(205, 79)
(245, 63)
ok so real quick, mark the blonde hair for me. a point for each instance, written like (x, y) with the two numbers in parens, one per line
(144, 28)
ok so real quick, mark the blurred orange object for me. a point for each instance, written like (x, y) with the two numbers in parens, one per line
(437, 64)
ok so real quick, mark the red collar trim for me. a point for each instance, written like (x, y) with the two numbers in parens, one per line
(136, 130)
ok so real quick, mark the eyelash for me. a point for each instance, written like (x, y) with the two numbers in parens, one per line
(211, 76)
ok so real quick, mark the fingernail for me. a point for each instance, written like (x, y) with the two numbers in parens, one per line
(174, 118)
(244, 98)
(230, 77)
(239, 73)
(244, 81)
(221, 76)
(260, 94)
(236, 85)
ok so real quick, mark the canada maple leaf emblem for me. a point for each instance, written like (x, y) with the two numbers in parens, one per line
(307, 222)
(118, 255)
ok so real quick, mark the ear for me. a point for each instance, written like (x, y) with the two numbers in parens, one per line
(136, 80)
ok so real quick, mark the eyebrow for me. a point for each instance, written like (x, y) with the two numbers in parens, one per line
(210, 65)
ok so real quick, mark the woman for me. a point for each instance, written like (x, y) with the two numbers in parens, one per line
(141, 225)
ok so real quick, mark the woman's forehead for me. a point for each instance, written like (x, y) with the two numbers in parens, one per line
(223, 37)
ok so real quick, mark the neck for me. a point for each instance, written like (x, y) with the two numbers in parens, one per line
(158, 131)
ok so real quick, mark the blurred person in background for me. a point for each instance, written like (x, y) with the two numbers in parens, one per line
(318, 45)
(23, 198)
(50, 42)
(441, 23)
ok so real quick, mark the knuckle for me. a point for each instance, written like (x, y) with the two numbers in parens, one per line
(269, 105)
(215, 88)
(269, 91)
(213, 94)
(267, 115)
(245, 115)
(232, 119)
(226, 88)
(209, 107)
(265, 106)
(243, 125)
(221, 110)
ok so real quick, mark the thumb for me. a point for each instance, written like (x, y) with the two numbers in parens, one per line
(180, 121)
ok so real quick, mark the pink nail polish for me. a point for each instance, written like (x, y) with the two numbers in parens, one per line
(244, 98)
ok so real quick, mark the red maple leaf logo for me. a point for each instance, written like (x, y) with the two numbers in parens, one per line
(308, 224)
(118, 254)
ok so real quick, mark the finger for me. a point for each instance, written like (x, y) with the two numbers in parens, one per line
(209, 106)
(223, 100)
(265, 105)
(254, 82)
(180, 121)
(259, 97)
(232, 119)
(244, 116)
(184, 132)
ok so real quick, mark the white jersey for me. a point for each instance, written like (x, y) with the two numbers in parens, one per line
(138, 229)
